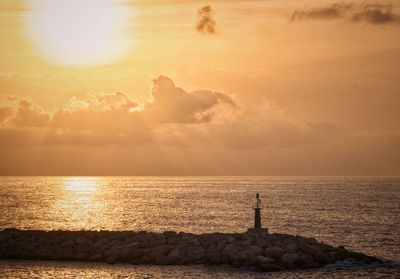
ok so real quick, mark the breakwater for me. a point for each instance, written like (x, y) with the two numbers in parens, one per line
(268, 252)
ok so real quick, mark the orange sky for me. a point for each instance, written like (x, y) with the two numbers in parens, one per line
(237, 87)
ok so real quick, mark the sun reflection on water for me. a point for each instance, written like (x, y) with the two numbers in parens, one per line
(81, 184)
(81, 201)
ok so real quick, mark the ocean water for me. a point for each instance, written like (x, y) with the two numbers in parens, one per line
(361, 213)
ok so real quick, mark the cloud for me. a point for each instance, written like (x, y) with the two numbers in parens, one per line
(5, 112)
(206, 23)
(267, 125)
(376, 14)
(102, 119)
(173, 117)
(28, 114)
(333, 11)
(195, 107)
(109, 111)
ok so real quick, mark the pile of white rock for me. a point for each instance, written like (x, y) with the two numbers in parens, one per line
(268, 252)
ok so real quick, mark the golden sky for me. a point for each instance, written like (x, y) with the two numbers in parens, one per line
(187, 87)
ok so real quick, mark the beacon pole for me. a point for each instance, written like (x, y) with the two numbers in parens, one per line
(257, 213)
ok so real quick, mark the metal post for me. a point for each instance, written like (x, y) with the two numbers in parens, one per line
(257, 213)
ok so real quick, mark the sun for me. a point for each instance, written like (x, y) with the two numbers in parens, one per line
(80, 33)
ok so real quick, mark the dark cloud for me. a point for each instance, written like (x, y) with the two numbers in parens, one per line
(206, 23)
(376, 14)
(334, 11)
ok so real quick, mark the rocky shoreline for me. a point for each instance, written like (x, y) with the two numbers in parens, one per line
(252, 249)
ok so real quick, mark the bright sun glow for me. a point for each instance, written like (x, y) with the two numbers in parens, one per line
(80, 32)
(81, 184)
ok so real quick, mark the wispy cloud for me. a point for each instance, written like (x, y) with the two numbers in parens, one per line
(376, 14)
(334, 11)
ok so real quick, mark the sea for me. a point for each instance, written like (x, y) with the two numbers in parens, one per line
(360, 213)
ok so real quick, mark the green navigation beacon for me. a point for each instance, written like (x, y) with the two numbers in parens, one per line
(257, 219)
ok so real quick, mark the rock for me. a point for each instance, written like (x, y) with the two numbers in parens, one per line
(133, 245)
(325, 257)
(270, 267)
(252, 251)
(43, 253)
(157, 253)
(288, 260)
(247, 242)
(262, 242)
(173, 257)
(291, 246)
(196, 255)
(213, 255)
(96, 257)
(264, 260)
(173, 240)
(310, 248)
(112, 255)
(304, 260)
(274, 252)
(68, 244)
(169, 234)
(230, 253)
(268, 264)
(80, 256)
(248, 257)
(134, 256)
(268, 252)
(230, 239)
(83, 241)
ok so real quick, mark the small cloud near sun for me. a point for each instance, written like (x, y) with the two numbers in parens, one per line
(206, 23)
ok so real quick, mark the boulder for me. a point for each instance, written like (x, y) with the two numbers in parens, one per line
(247, 242)
(270, 267)
(80, 256)
(268, 264)
(274, 252)
(290, 246)
(156, 254)
(68, 244)
(248, 256)
(135, 256)
(173, 240)
(173, 257)
(264, 260)
(133, 245)
(230, 239)
(305, 260)
(213, 255)
(310, 248)
(253, 250)
(196, 255)
(112, 255)
(288, 260)
(268, 252)
(230, 253)
(97, 257)
(262, 242)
